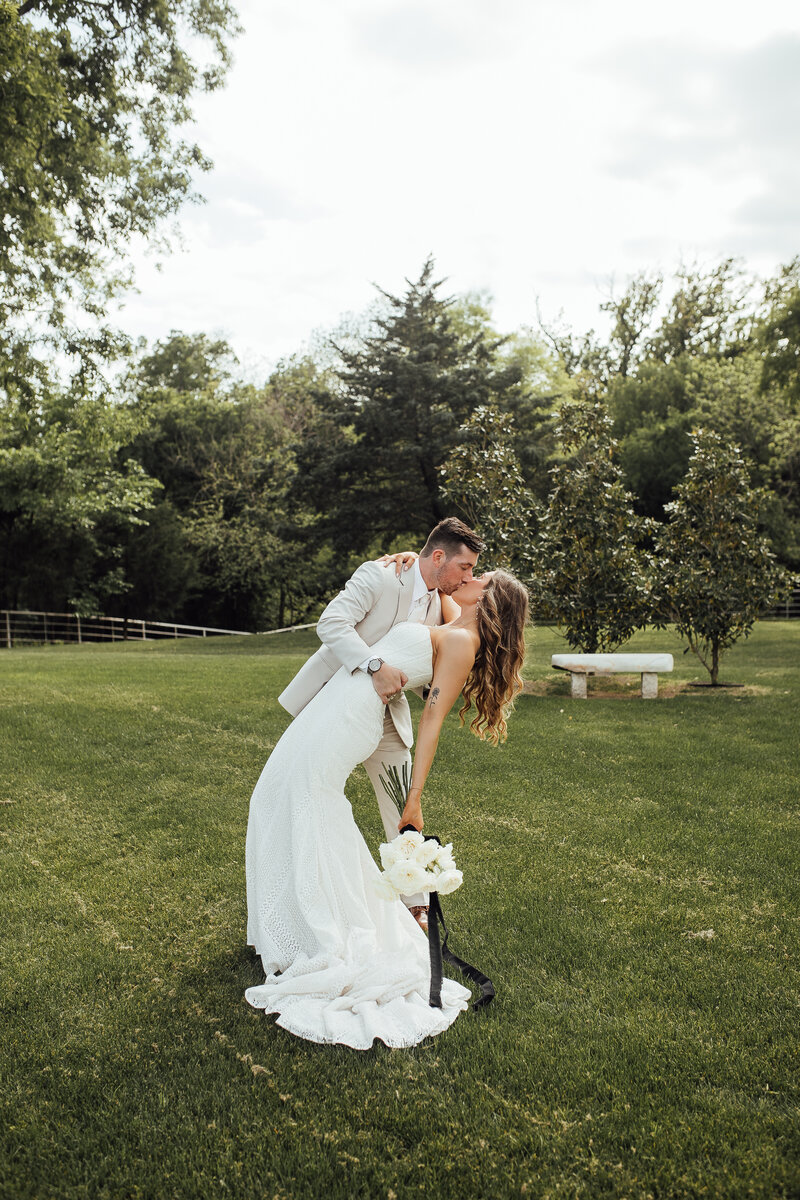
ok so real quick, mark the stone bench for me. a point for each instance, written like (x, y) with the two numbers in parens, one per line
(580, 666)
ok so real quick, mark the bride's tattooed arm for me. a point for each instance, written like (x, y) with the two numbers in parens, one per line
(453, 663)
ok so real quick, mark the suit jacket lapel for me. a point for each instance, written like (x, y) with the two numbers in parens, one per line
(405, 592)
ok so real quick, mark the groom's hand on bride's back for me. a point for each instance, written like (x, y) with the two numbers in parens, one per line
(388, 682)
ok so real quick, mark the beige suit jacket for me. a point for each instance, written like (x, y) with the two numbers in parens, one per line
(373, 600)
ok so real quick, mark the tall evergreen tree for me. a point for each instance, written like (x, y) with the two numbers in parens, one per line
(406, 388)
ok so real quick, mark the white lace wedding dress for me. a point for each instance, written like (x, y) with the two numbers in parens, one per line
(342, 964)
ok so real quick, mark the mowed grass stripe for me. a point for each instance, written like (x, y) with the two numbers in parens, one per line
(624, 1057)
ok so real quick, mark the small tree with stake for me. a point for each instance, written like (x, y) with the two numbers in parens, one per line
(592, 575)
(717, 573)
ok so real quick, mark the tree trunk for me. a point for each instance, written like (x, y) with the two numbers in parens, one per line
(430, 479)
(714, 663)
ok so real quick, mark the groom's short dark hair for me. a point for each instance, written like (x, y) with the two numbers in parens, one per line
(449, 535)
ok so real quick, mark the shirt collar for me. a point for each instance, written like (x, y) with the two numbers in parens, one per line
(420, 586)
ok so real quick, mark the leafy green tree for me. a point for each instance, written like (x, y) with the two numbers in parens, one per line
(593, 364)
(179, 432)
(632, 314)
(730, 400)
(655, 410)
(651, 414)
(710, 312)
(533, 405)
(584, 359)
(535, 385)
(228, 544)
(62, 484)
(717, 573)
(94, 99)
(186, 363)
(591, 574)
(778, 334)
(406, 389)
(483, 483)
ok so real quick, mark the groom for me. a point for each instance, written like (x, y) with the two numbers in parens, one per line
(375, 599)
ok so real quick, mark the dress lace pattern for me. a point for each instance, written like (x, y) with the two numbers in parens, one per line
(342, 965)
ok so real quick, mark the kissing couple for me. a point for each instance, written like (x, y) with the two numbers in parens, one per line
(342, 964)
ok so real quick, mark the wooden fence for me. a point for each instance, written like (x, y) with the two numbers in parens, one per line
(24, 627)
(789, 610)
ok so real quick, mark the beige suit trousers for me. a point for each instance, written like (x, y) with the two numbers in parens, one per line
(391, 752)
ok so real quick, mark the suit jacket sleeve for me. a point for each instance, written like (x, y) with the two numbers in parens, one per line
(336, 626)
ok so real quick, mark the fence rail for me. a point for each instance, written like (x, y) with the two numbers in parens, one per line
(28, 627)
(789, 610)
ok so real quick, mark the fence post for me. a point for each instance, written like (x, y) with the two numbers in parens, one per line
(8, 630)
(78, 617)
(144, 639)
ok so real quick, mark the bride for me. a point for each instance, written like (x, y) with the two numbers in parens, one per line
(343, 965)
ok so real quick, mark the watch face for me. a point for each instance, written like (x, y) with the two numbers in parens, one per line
(374, 665)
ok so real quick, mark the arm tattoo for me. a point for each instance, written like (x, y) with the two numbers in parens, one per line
(432, 697)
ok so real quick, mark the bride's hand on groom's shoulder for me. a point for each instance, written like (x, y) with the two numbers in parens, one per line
(402, 560)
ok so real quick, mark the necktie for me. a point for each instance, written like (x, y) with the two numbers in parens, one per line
(420, 610)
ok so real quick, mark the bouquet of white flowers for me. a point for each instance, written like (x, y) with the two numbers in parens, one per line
(412, 863)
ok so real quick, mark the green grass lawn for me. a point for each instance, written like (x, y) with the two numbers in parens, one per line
(625, 1056)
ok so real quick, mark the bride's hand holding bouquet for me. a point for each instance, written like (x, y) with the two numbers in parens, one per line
(412, 812)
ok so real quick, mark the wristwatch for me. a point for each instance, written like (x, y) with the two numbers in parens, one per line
(374, 665)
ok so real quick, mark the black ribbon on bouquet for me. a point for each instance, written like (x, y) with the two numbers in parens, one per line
(439, 950)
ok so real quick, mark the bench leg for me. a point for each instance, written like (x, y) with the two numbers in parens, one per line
(578, 680)
(649, 685)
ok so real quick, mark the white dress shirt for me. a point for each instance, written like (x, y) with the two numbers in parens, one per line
(421, 597)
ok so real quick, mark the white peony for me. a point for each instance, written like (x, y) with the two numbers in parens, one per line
(412, 863)
(448, 881)
(407, 877)
(390, 854)
(444, 857)
(426, 853)
(407, 843)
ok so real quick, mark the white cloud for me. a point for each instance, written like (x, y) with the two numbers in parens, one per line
(414, 33)
(535, 149)
(725, 122)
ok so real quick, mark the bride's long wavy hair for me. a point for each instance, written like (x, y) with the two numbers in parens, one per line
(494, 680)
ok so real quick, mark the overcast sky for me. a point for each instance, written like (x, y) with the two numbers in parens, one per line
(537, 149)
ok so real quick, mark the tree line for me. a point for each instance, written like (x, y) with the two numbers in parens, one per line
(158, 481)
(187, 492)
